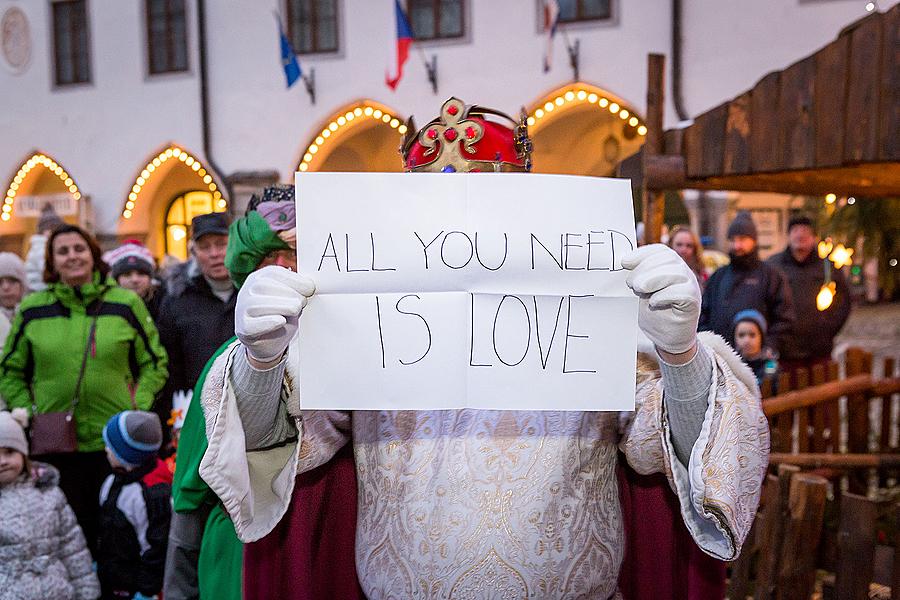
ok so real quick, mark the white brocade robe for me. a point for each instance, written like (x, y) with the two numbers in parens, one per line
(476, 504)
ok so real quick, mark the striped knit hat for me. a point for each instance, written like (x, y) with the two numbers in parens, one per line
(130, 256)
(133, 436)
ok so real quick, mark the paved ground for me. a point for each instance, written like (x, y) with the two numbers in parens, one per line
(875, 328)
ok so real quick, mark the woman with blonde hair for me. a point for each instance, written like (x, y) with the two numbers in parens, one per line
(686, 243)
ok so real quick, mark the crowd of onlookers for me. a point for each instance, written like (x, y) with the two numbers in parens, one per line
(767, 309)
(96, 346)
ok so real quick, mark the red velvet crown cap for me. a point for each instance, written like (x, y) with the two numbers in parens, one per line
(463, 139)
(496, 145)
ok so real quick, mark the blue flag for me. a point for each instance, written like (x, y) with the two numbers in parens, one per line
(292, 70)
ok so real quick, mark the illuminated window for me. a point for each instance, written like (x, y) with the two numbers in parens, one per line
(178, 220)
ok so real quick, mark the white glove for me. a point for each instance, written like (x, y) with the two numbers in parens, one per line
(267, 312)
(669, 306)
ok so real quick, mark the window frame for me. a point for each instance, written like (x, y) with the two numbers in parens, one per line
(593, 23)
(169, 41)
(464, 15)
(581, 19)
(54, 65)
(338, 33)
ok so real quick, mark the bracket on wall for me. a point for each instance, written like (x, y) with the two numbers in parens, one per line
(431, 68)
(309, 82)
(573, 50)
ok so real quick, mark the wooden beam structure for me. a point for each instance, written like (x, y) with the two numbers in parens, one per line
(829, 123)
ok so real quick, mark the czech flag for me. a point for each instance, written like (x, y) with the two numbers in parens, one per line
(404, 41)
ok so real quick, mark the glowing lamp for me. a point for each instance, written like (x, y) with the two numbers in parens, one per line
(825, 247)
(825, 296)
(841, 256)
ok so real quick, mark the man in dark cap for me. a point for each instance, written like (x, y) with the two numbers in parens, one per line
(747, 283)
(814, 330)
(197, 315)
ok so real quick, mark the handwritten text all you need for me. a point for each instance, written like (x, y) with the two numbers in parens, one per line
(492, 291)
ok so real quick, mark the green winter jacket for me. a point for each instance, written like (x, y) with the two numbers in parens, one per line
(44, 349)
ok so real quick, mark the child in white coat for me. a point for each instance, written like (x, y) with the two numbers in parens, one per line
(43, 554)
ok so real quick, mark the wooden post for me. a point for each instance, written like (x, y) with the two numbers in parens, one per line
(819, 413)
(895, 576)
(858, 362)
(856, 548)
(802, 413)
(806, 507)
(771, 533)
(887, 404)
(653, 201)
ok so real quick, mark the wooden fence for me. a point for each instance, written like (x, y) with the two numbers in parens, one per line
(824, 443)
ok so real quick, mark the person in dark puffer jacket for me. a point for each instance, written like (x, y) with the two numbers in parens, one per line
(747, 282)
(135, 508)
(43, 554)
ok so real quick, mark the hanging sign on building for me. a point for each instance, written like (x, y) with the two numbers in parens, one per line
(65, 205)
(492, 291)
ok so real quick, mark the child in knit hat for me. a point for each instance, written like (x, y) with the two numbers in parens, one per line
(42, 549)
(749, 332)
(135, 508)
(132, 266)
(13, 287)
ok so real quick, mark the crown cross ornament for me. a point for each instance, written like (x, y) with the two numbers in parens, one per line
(463, 139)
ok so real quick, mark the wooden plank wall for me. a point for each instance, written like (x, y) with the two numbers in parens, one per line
(837, 107)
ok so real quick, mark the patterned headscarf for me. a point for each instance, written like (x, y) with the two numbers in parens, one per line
(269, 225)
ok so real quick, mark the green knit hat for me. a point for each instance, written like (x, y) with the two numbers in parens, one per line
(250, 239)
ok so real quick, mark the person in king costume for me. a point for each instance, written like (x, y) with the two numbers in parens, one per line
(485, 503)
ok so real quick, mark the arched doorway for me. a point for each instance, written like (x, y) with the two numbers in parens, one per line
(363, 136)
(581, 129)
(169, 190)
(39, 181)
(178, 219)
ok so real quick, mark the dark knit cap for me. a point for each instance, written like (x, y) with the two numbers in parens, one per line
(799, 220)
(742, 225)
(134, 436)
(49, 220)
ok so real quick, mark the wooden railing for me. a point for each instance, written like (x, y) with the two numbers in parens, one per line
(822, 434)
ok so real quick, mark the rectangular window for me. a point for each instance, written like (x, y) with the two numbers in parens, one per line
(166, 36)
(71, 50)
(313, 25)
(571, 11)
(436, 19)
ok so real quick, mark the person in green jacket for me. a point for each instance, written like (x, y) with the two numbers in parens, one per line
(204, 557)
(81, 318)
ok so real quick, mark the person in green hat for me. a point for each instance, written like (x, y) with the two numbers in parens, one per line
(205, 556)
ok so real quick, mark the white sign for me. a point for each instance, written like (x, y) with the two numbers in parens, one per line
(31, 206)
(478, 290)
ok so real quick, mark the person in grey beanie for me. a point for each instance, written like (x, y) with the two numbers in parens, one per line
(13, 284)
(746, 283)
(42, 549)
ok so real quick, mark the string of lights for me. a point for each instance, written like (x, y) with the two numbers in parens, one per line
(363, 111)
(173, 152)
(580, 96)
(36, 160)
